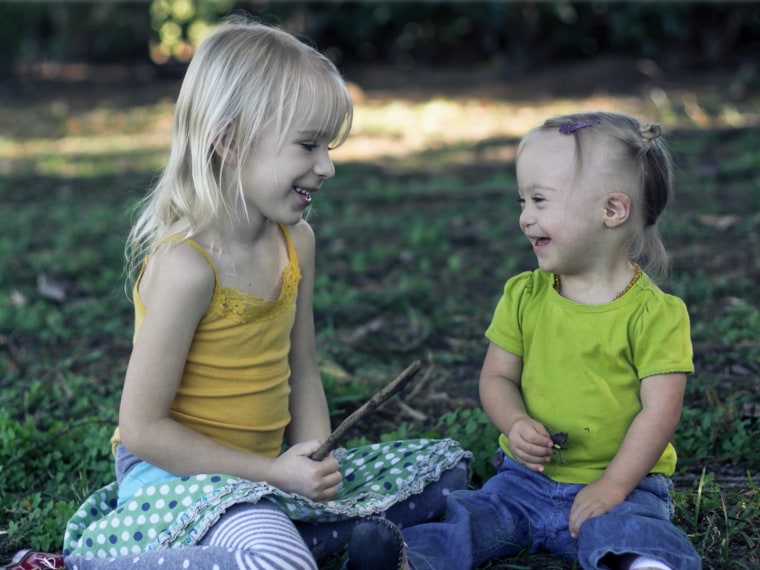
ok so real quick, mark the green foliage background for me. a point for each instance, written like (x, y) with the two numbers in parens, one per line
(515, 35)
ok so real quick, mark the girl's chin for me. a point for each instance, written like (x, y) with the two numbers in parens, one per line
(546, 265)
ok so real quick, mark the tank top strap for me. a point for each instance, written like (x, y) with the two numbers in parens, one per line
(292, 255)
(200, 249)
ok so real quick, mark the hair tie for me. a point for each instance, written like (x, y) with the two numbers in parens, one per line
(649, 132)
(570, 127)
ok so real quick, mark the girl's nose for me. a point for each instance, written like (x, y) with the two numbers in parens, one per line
(526, 219)
(324, 166)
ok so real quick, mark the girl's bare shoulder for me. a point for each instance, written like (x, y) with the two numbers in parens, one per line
(178, 269)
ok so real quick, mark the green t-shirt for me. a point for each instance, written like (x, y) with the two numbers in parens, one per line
(582, 364)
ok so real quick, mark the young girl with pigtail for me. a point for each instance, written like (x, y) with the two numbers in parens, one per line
(585, 372)
(223, 405)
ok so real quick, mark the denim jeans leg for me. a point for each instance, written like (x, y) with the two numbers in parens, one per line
(480, 525)
(640, 525)
(475, 529)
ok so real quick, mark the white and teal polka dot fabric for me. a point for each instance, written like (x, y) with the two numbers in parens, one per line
(178, 512)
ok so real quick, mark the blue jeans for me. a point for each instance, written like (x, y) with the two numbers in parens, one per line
(519, 509)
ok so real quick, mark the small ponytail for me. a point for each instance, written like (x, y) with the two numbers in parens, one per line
(649, 132)
(656, 172)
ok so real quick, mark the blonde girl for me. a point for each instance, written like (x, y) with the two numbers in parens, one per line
(223, 369)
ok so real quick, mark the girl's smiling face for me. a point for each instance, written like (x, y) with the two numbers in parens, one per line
(562, 206)
(280, 177)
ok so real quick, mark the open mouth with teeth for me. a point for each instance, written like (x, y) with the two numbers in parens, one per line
(305, 194)
(539, 242)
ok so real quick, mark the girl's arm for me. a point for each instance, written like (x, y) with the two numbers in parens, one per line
(502, 401)
(646, 439)
(309, 415)
(177, 288)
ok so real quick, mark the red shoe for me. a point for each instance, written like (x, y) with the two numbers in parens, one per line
(31, 560)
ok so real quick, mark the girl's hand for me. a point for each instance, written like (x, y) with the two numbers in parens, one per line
(295, 472)
(595, 499)
(530, 443)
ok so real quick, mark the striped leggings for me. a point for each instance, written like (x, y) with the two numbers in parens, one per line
(247, 537)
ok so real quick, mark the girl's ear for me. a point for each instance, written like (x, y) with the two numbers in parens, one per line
(224, 147)
(617, 209)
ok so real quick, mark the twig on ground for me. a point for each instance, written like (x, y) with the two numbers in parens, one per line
(421, 382)
(411, 412)
(369, 406)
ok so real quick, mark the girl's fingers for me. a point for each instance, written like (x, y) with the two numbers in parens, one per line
(536, 453)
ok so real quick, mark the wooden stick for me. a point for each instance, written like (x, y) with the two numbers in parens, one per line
(368, 407)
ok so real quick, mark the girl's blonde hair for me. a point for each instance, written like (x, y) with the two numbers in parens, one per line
(647, 157)
(243, 78)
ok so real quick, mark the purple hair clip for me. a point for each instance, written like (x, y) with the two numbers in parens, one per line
(570, 127)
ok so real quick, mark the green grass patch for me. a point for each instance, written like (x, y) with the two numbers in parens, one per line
(410, 264)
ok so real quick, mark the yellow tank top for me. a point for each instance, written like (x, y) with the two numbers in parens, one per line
(235, 388)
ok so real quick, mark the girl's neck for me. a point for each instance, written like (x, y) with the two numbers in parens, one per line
(239, 234)
(247, 262)
(598, 288)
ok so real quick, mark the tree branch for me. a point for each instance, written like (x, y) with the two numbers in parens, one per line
(368, 407)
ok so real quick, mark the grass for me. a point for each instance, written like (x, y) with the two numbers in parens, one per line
(414, 247)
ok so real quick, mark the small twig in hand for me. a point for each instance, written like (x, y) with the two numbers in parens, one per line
(559, 438)
(369, 406)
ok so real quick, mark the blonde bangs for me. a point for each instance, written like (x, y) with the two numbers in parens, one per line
(321, 97)
(338, 112)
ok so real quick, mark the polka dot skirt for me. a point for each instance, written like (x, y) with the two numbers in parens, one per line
(180, 511)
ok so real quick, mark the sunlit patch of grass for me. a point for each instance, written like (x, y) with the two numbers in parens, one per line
(71, 139)
(83, 157)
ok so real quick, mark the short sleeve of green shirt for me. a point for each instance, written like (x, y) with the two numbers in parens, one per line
(661, 338)
(505, 330)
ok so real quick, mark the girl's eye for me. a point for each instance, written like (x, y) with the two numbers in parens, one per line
(309, 146)
(534, 199)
